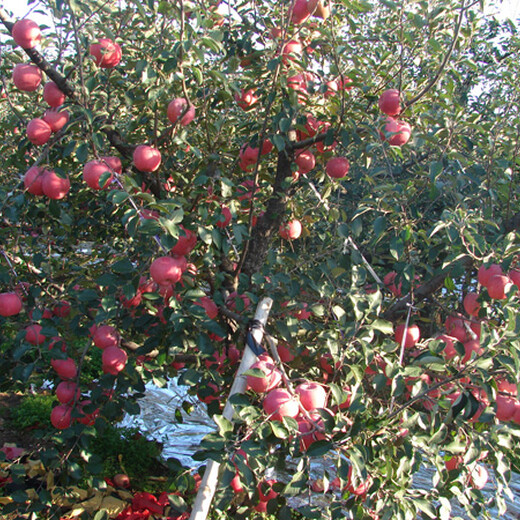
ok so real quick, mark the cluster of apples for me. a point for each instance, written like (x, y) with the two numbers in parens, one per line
(107, 338)
(302, 404)
(400, 131)
(467, 332)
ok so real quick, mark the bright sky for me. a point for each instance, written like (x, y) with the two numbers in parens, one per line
(504, 8)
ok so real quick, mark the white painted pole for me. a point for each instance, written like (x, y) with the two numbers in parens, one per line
(209, 482)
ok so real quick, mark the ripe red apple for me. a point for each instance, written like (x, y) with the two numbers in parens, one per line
(291, 49)
(225, 217)
(27, 77)
(505, 407)
(390, 102)
(176, 108)
(236, 484)
(449, 351)
(61, 417)
(400, 131)
(471, 346)
(507, 387)
(121, 480)
(337, 167)
(38, 131)
(389, 281)
(52, 95)
(498, 285)
(305, 161)
(168, 269)
(114, 360)
(113, 163)
(185, 243)
(61, 309)
(26, 33)
(146, 158)
(87, 418)
(485, 273)
(107, 53)
(279, 403)
(10, 304)
(246, 99)
(209, 306)
(272, 376)
(33, 335)
(453, 463)
(312, 395)
(93, 171)
(413, 334)
(471, 305)
(514, 275)
(53, 186)
(65, 368)
(308, 433)
(284, 351)
(67, 391)
(247, 156)
(291, 230)
(56, 119)
(106, 336)
(32, 180)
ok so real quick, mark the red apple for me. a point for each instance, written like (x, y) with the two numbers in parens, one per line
(107, 53)
(113, 163)
(185, 243)
(505, 407)
(121, 480)
(114, 360)
(337, 167)
(449, 351)
(413, 334)
(32, 180)
(67, 391)
(27, 77)
(61, 309)
(312, 395)
(471, 346)
(400, 131)
(38, 131)
(390, 102)
(471, 305)
(93, 171)
(279, 403)
(498, 285)
(26, 33)
(246, 99)
(177, 107)
(65, 368)
(53, 186)
(33, 335)
(290, 49)
(146, 158)
(52, 95)
(209, 306)
(305, 161)
(87, 418)
(10, 304)
(507, 387)
(389, 281)
(485, 273)
(61, 417)
(284, 351)
(514, 275)
(167, 269)
(56, 119)
(291, 230)
(272, 376)
(225, 217)
(308, 433)
(106, 336)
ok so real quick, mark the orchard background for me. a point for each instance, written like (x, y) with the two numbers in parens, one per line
(380, 216)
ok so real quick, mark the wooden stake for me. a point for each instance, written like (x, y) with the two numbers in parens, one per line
(210, 480)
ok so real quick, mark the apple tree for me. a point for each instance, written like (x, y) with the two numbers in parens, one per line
(167, 165)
